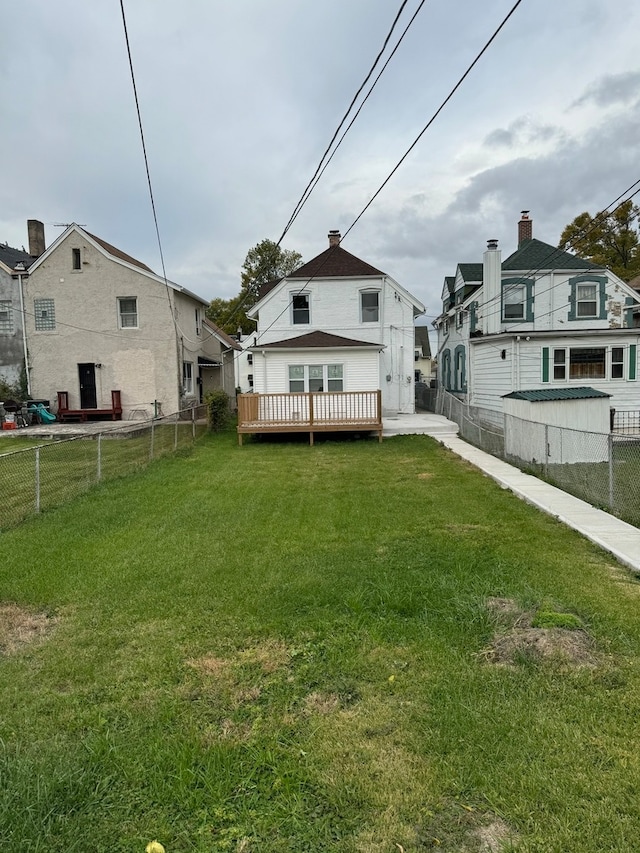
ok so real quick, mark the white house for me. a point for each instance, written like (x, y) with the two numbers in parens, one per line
(99, 320)
(336, 324)
(542, 318)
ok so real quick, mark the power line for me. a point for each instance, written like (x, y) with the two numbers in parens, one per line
(434, 116)
(307, 191)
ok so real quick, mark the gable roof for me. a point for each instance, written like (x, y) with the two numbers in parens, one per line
(535, 255)
(470, 272)
(118, 253)
(220, 334)
(335, 262)
(422, 340)
(317, 340)
(10, 257)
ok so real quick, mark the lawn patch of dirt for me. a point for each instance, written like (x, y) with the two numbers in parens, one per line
(19, 627)
(463, 829)
(517, 640)
(426, 475)
(321, 703)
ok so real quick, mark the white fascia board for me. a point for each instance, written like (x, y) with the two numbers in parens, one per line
(420, 308)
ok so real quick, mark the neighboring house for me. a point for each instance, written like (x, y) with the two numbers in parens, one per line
(244, 362)
(13, 266)
(422, 355)
(99, 320)
(217, 369)
(336, 324)
(543, 318)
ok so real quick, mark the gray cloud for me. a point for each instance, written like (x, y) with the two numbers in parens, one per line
(611, 90)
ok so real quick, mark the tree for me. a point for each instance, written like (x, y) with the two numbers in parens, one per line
(607, 239)
(265, 262)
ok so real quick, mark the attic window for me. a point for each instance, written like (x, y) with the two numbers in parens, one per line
(300, 313)
(76, 259)
(369, 307)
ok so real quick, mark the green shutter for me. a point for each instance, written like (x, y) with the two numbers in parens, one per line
(632, 361)
(545, 364)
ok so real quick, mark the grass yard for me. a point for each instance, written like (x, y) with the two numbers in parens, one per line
(353, 647)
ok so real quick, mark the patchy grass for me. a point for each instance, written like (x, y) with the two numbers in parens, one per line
(285, 648)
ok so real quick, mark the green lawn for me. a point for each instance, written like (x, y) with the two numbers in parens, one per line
(283, 648)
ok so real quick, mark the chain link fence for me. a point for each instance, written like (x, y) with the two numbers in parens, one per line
(38, 478)
(601, 468)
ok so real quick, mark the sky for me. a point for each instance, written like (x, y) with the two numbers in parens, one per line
(240, 99)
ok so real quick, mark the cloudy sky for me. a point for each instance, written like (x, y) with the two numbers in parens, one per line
(240, 99)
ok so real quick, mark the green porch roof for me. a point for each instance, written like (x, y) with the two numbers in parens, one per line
(545, 395)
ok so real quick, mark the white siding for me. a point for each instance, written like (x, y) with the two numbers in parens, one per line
(271, 369)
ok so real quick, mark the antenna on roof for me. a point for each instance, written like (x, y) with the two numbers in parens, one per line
(68, 224)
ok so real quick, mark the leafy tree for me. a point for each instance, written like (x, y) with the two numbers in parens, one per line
(265, 262)
(607, 239)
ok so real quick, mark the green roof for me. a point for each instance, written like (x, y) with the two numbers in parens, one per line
(535, 255)
(545, 395)
(471, 272)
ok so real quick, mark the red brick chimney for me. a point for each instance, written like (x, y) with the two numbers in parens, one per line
(35, 230)
(525, 228)
(334, 238)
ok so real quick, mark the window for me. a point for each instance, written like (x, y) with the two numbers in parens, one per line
(250, 358)
(187, 377)
(588, 298)
(445, 326)
(76, 259)
(250, 379)
(316, 377)
(197, 310)
(45, 315)
(334, 377)
(587, 363)
(559, 364)
(296, 378)
(513, 302)
(6, 317)
(369, 307)
(300, 309)
(128, 311)
(517, 300)
(459, 319)
(617, 362)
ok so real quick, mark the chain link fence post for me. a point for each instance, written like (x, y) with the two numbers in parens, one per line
(37, 479)
(193, 423)
(611, 472)
(547, 450)
(99, 471)
(151, 440)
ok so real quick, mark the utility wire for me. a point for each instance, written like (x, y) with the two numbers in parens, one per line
(433, 117)
(314, 182)
(304, 196)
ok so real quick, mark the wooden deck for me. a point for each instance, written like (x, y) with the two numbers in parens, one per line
(65, 414)
(339, 411)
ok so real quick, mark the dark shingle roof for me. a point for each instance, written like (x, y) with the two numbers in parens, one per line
(422, 341)
(313, 340)
(535, 255)
(470, 272)
(11, 257)
(267, 286)
(229, 341)
(334, 261)
(544, 395)
(117, 253)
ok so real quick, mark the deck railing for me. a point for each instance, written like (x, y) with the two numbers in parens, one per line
(309, 412)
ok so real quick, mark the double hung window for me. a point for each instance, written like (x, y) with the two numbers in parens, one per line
(128, 312)
(370, 306)
(300, 309)
(316, 377)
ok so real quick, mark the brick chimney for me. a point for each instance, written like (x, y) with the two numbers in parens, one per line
(35, 230)
(334, 238)
(525, 228)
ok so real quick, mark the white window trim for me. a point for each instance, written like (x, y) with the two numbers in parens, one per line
(187, 377)
(366, 292)
(306, 293)
(120, 299)
(325, 377)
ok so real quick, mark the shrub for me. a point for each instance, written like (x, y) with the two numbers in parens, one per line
(218, 409)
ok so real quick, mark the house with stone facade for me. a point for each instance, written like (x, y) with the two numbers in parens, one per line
(99, 320)
(540, 319)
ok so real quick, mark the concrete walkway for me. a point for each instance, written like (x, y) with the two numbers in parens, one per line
(616, 536)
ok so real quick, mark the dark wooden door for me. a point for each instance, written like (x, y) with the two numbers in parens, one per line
(87, 376)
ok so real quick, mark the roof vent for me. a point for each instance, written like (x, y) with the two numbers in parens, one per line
(492, 245)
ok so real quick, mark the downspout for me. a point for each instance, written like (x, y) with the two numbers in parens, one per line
(24, 335)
